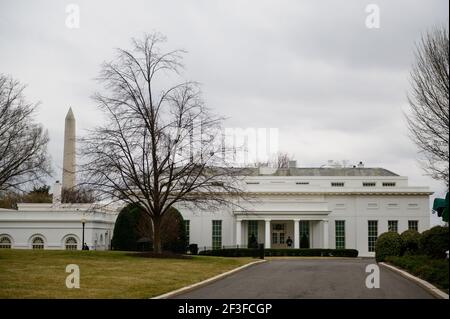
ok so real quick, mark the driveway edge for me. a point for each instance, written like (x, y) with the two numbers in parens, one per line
(436, 292)
(206, 281)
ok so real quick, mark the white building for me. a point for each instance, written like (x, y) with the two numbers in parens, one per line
(320, 207)
(331, 207)
(46, 226)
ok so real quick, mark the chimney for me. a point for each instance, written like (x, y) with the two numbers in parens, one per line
(57, 187)
(292, 164)
(360, 165)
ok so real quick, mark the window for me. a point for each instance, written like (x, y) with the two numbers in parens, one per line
(252, 230)
(5, 242)
(413, 225)
(373, 234)
(71, 243)
(280, 227)
(392, 205)
(37, 243)
(274, 238)
(340, 234)
(388, 184)
(252, 183)
(187, 226)
(302, 183)
(369, 184)
(216, 234)
(340, 206)
(413, 206)
(393, 225)
(304, 232)
(281, 238)
(337, 184)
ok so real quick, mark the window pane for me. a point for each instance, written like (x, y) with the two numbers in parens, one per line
(216, 234)
(252, 230)
(188, 229)
(304, 231)
(340, 234)
(393, 225)
(373, 234)
(413, 225)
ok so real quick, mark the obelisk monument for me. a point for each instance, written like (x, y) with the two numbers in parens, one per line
(68, 180)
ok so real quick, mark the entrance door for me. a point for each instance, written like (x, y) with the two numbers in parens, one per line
(278, 235)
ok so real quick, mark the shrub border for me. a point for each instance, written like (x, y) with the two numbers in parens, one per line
(285, 252)
(433, 290)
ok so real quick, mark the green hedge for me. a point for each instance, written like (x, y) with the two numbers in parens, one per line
(434, 271)
(312, 252)
(434, 242)
(388, 244)
(410, 241)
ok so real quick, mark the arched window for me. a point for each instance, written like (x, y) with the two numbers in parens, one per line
(5, 242)
(101, 239)
(71, 243)
(37, 243)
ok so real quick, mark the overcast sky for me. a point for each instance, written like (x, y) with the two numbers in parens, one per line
(334, 88)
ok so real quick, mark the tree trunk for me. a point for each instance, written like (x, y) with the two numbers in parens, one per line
(157, 247)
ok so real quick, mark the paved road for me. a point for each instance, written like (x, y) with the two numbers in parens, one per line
(308, 278)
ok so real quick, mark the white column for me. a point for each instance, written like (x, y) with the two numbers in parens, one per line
(267, 234)
(296, 233)
(238, 232)
(325, 233)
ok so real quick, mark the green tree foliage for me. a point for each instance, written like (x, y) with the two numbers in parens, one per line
(125, 235)
(133, 229)
(410, 241)
(434, 242)
(440, 206)
(388, 244)
(9, 200)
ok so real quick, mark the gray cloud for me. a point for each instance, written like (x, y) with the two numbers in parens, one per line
(335, 89)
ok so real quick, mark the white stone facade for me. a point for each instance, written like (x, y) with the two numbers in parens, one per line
(315, 202)
(56, 226)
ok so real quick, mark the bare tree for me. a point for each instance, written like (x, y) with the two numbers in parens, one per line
(279, 160)
(23, 143)
(160, 146)
(429, 119)
(77, 194)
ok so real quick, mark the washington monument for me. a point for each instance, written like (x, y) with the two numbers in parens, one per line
(68, 180)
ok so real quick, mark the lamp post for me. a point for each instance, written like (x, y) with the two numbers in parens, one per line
(83, 222)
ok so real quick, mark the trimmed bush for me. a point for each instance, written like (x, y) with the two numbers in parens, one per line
(173, 232)
(434, 271)
(410, 241)
(133, 231)
(434, 242)
(193, 249)
(248, 252)
(125, 236)
(388, 244)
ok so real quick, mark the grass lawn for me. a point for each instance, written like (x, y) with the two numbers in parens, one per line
(435, 271)
(108, 274)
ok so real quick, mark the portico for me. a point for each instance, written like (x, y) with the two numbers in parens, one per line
(273, 231)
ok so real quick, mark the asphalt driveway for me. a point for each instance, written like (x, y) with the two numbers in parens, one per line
(309, 278)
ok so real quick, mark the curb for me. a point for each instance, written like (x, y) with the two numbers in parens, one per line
(436, 292)
(206, 281)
